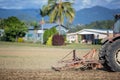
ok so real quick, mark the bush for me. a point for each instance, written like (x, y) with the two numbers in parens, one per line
(20, 40)
(58, 40)
(0, 38)
(49, 41)
(8, 38)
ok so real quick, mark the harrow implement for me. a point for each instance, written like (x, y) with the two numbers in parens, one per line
(88, 61)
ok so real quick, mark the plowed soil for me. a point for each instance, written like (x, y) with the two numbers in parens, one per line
(34, 63)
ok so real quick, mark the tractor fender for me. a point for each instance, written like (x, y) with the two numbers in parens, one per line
(104, 41)
(114, 38)
(110, 40)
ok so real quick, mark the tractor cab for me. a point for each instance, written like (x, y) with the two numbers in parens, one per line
(116, 29)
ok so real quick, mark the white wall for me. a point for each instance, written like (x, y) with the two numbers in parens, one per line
(71, 37)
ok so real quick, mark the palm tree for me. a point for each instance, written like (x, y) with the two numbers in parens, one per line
(59, 10)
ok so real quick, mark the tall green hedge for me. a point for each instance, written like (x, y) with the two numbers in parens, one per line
(49, 41)
(48, 33)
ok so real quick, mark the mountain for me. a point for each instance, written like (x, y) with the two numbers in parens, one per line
(96, 13)
(83, 16)
(23, 14)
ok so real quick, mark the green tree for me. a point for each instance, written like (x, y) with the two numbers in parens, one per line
(48, 33)
(53, 31)
(2, 24)
(58, 10)
(76, 28)
(14, 29)
(105, 24)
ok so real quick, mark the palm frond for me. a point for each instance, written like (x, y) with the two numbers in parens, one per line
(44, 11)
(52, 1)
(58, 11)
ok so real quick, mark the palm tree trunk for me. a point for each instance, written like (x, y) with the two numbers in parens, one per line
(59, 26)
(42, 34)
(42, 30)
(59, 22)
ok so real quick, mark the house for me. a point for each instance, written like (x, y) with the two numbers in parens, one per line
(36, 35)
(88, 35)
(63, 29)
(33, 35)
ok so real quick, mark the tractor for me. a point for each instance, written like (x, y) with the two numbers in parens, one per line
(109, 54)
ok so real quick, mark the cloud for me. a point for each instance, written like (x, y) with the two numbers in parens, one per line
(78, 4)
(114, 4)
(19, 4)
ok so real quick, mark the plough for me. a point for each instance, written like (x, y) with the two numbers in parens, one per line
(88, 61)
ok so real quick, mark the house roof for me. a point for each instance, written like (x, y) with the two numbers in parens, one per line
(95, 31)
(32, 28)
(71, 33)
(91, 31)
(47, 26)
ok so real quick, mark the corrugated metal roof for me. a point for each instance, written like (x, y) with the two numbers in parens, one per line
(95, 31)
(47, 26)
(90, 31)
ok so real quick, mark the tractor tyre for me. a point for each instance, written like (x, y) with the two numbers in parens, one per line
(102, 54)
(113, 56)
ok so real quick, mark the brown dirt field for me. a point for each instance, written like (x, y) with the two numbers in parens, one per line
(19, 74)
(34, 63)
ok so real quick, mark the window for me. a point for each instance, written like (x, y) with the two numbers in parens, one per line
(39, 34)
(117, 27)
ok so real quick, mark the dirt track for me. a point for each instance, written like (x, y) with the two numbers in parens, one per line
(34, 63)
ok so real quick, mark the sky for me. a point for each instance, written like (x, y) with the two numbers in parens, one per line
(78, 4)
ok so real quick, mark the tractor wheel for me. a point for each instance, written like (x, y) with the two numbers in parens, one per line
(113, 56)
(102, 53)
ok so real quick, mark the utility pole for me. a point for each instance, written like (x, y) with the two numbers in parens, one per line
(42, 30)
